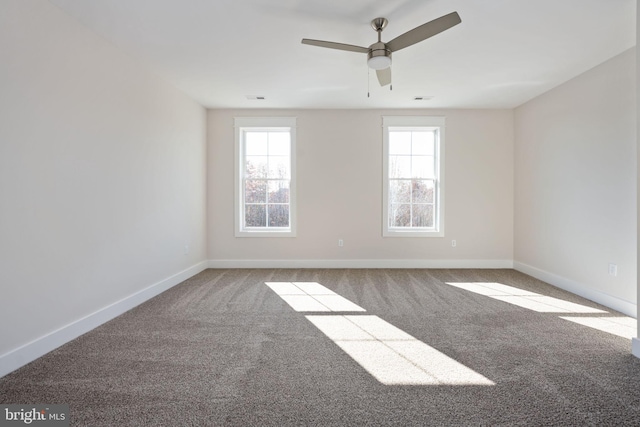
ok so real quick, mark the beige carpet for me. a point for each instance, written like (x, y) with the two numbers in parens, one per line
(223, 348)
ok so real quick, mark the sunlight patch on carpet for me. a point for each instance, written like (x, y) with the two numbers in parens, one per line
(312, 296)
(525, 299)
(622, 326)
(389, 354)
(625, 327)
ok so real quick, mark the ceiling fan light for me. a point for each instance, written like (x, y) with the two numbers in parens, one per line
(379, 62)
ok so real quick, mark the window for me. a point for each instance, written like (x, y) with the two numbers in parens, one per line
(413, 176)
(265, 178)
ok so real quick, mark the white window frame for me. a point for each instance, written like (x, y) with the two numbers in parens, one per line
(415, 123)
(241, 125)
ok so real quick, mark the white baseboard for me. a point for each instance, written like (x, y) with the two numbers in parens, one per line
(626, 307)
(361, 263)
(29, 352)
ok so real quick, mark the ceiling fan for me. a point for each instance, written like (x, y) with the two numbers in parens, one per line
(379, 53)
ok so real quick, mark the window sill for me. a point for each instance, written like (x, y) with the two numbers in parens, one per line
(264, 233)
(412, 233)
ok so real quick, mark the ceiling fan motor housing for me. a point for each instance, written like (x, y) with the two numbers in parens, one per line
(379, 56)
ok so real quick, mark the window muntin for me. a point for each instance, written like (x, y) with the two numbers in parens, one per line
(265, 182)
(413, 201)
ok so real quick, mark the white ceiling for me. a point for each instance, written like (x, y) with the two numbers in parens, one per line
(504, 52)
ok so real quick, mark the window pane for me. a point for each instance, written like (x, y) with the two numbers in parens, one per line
(279, 191)
(279, 215)
(279, 167)
(400, 191)
(399, 215)
(399, 142)
(422, 167)
(399, 166)
(422, 216)
(422, 143)
(256, 167)
(255, 216)
(279, 143)
(255, 143)
(255, 191)
(423, 191)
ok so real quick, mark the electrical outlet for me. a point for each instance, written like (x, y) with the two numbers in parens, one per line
(453, 243)
(186, 249)
(340, 242)
(613, 270)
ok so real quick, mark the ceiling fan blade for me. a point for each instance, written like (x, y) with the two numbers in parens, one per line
(339, 46)
(424, 31)
(384, 76)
